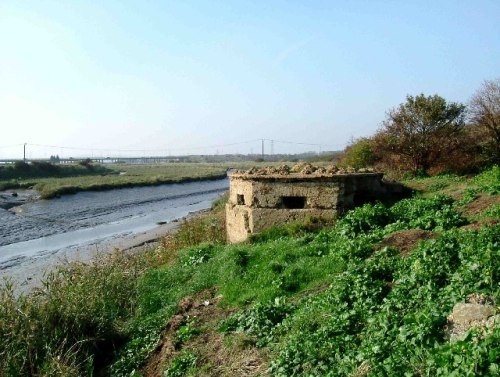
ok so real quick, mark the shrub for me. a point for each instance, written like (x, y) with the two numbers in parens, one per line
(21, 166)
(359, 154)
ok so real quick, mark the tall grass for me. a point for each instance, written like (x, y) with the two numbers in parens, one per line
(71, 324)
(74, 323)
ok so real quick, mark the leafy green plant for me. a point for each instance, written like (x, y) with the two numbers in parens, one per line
(198, 255)
(435, 213)
(134, 354)
(438, 186)
(181, 365)
(187, 331)
(364, 219)
(489, 180)
(468, 196)
(493, 211)
(476, 355)
(261, 320)
(389, 313)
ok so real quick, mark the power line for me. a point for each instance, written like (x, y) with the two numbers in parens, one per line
(11, 146)
(158, 151)
(144, 150)
(308, 144)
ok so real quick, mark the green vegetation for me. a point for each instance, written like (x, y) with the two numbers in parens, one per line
(54, 180)
(359, 154)
(301, 299)
(39, 169)
(181, 365)
(423, 131)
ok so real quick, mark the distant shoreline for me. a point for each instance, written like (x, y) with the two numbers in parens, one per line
(67, 190)
(73, 189)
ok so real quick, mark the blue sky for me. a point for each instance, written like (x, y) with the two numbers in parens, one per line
(173, 75)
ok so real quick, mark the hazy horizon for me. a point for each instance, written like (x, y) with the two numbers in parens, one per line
(208, 77)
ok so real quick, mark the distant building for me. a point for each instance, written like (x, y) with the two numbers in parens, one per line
(259, 199)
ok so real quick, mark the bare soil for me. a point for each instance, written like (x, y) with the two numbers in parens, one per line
(217, 354)
(407, 240)
(481, 204)
(479, 224)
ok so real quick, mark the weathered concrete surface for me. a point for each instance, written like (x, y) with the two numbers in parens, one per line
(468, 315)
(259, 199)
(237, 223)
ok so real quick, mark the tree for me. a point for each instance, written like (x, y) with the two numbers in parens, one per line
(423, 131)
(485, 114)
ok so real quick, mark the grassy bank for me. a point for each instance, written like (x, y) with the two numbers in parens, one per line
(74, 178)
(369, 295)
(55, 180)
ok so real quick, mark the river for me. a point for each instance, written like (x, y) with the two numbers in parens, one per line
(61, 226)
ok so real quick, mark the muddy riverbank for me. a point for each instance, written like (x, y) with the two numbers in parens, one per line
(14, 198)
(29, 274)
(37, 235)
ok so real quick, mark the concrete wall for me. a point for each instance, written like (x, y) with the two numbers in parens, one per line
(259, 202)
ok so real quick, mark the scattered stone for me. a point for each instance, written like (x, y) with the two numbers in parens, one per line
(284, 170)
(332, 169)
(320, 171)
(468, 315)
(303, 168)
(365, 170)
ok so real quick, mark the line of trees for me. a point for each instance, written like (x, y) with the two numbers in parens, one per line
(428, 135)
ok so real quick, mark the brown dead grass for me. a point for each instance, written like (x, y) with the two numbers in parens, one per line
(406, 240)
(481, 204)
(455, 189)
(240, 359)
(479, 224)
(216, 356)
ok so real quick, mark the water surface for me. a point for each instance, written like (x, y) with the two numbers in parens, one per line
(50, 226)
